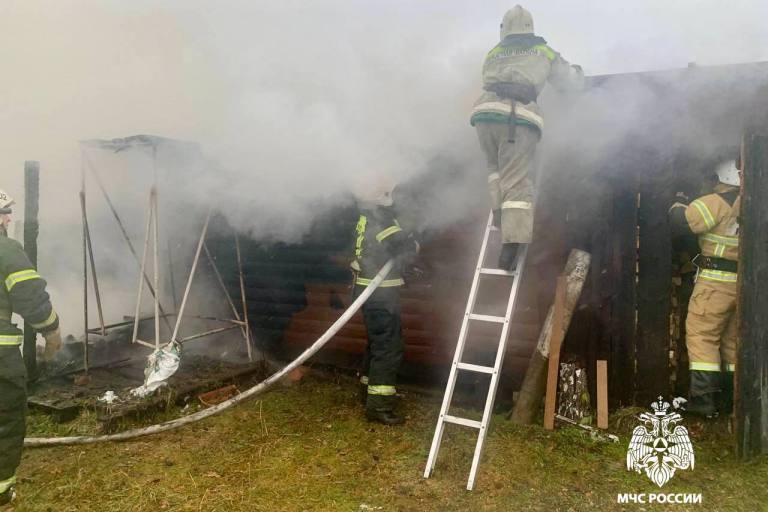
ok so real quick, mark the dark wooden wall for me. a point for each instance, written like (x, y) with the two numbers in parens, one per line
(653, 291)
(752, 367)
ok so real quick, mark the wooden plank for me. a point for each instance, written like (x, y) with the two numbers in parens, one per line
(623, 270)
(653, 292)
(550, 400)
(31, 230)
(752, 364)
(602, 394)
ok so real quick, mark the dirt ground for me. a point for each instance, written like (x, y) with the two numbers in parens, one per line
(307, 447)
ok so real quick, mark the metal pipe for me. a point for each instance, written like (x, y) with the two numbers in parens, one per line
(89, 245)
(155, 236)
(207, 333)
(191, 277)
(144, 343)
(85, 273)
(242, 297)
(216, 319)
(254, 391)
(95, 330)
(173, 281)
(142, 275)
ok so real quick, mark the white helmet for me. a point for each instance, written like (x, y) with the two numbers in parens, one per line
(6, 202)
(516, 21)
(728, 173)
(376, 191)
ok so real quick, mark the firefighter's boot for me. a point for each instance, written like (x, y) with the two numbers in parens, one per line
(384, 416)
(705, 390)
(726, 395)
(8, 496)
(362, 391)
(508, 255)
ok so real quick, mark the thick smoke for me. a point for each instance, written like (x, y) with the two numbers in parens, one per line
(294, 103)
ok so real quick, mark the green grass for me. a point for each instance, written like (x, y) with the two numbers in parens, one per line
(307, 447)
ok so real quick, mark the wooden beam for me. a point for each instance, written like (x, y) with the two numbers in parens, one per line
(623, 270)
(31, 230)
(602, 394)
(751, 398)
(653, 292)
(532, 390)
(558, 333)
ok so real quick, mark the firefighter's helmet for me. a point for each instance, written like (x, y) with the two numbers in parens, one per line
(6, 202)
(728, 174)
(377, 190)
(516, 21)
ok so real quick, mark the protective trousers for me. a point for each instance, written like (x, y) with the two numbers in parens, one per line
(384, 352)
(511, 177)
(13, 409)
(711, 336)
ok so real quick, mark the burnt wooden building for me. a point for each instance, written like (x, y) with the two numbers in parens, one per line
(614, 160)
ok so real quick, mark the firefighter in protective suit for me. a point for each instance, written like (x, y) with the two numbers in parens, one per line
(23, 292)
(509, 123)
(379, 237)
(711, 334)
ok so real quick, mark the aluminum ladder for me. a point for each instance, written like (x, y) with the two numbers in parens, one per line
(459, 365)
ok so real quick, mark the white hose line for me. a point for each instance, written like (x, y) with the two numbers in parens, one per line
(255, 390)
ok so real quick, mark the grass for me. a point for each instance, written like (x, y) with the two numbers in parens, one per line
(307, 447)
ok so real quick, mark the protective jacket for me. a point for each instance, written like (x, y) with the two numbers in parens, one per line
(379, 237)
(714, 218)
(23, 292)
(517, 69)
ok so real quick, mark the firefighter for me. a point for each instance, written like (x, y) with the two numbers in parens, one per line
(509, 124)
(711, 334)
(379, 237)
(23, 292)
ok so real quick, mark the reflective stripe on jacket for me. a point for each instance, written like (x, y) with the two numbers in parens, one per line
(378, 238)
(716, 222)
(23, 292)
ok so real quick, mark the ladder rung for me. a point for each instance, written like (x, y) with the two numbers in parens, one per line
(487, 318)
(497, 272)
(475, 368)
(461, 421)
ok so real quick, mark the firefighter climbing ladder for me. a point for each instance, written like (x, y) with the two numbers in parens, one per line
(459, 365)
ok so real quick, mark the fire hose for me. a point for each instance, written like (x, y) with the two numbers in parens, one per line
(251, 392)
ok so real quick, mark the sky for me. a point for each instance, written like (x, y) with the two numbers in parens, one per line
(294, 102)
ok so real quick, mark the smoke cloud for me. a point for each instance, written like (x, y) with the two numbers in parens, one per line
(294, 103)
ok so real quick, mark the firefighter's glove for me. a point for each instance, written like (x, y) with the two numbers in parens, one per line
(52, 344)
(415, 272)
(677, 205)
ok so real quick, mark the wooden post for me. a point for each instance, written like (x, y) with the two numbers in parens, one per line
(653, 292)
(31, 230)
(550, 400)
(534, 382)
(623, 306)
(602, 394)
(751, 395)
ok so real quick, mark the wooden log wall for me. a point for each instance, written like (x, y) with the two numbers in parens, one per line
(653, 292)
(623, 270)
(752, 366)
